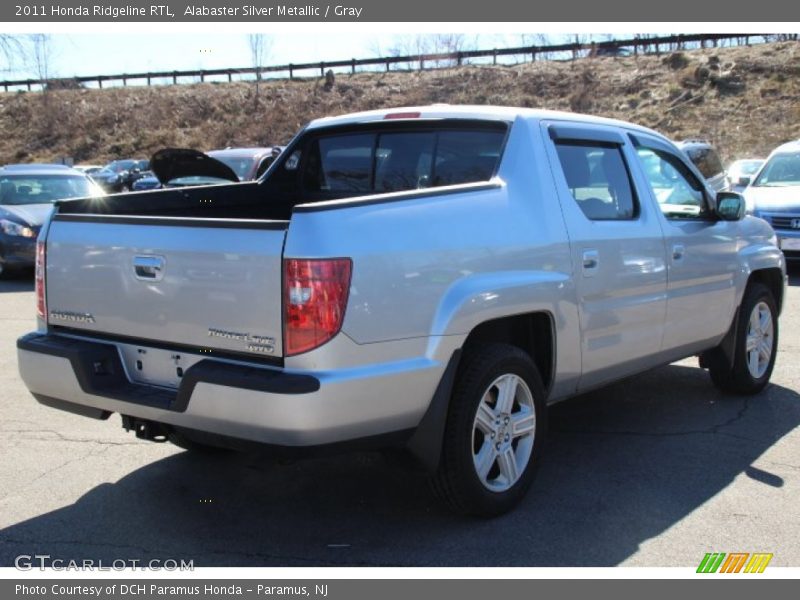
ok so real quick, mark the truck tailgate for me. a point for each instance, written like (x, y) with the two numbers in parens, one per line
(199, 283)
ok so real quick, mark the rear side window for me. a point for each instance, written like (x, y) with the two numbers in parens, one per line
(598, 179)
(349, 164)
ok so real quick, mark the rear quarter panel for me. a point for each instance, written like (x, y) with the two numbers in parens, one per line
(434, 267)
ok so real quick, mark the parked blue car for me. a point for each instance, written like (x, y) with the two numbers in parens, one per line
(27, 193)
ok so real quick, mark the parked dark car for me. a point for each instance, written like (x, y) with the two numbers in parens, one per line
(120, 175)
(27, 193)
(148, 181)
(706, 159)
(192, 167)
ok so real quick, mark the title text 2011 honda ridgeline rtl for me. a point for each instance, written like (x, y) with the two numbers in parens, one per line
(431, 277)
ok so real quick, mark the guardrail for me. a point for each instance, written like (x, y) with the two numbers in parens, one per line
(636, 45)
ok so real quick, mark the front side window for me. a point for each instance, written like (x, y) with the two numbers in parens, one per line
(678, 192)
(598, 179)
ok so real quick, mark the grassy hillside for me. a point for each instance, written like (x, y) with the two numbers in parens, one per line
(745, 100)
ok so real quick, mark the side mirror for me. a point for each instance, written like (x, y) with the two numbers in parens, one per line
(730, 206)
(744, 181)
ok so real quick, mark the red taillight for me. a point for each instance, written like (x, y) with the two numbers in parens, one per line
(403, 115)
(314, 300)
(41, 305)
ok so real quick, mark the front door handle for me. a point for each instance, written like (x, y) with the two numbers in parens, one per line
(678, 251)
(591, 260)
(149, 268)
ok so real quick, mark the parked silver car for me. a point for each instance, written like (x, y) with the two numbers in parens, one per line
(741, 172)
(774, 195)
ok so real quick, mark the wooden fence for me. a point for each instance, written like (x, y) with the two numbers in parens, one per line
(636, 45)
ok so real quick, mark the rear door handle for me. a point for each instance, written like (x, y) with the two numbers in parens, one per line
(677, 251)
(149, 268)
(591, 260)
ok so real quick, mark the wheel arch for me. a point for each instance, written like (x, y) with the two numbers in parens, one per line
(532, 332)
(772, 279)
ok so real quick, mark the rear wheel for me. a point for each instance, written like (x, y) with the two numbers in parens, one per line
(755, 346)
(494, 433)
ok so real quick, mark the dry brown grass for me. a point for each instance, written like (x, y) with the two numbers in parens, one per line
(745, 100)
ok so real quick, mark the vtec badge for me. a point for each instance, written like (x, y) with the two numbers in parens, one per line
(255, 343)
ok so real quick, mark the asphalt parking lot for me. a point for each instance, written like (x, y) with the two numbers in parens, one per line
(653, 471)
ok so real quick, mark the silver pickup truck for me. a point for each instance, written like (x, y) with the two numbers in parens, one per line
(426, 277)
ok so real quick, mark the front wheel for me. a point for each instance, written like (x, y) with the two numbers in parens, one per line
(494, 433)
(755, 346)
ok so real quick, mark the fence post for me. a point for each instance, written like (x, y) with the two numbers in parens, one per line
(202, 76)
(459, 58)
(353, 66)
(387, 65)
(494, 56)
(174, 78)
(100, 83)
(148, 80)
(291, 71)
(230, 76)
(322, 69)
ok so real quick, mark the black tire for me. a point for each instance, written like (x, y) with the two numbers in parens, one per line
(457, 482)
(735, 376)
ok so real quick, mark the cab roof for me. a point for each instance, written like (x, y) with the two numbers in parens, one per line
(454, 111)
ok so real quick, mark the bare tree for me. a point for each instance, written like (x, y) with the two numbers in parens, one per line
(535, 39)
(10, 50)
(260, 46)
(418, 46)
(41, 56)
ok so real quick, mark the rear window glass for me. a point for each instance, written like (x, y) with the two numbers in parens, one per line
(44, 189)
(392, 161)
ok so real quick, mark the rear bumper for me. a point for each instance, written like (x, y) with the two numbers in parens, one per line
(241, 401)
